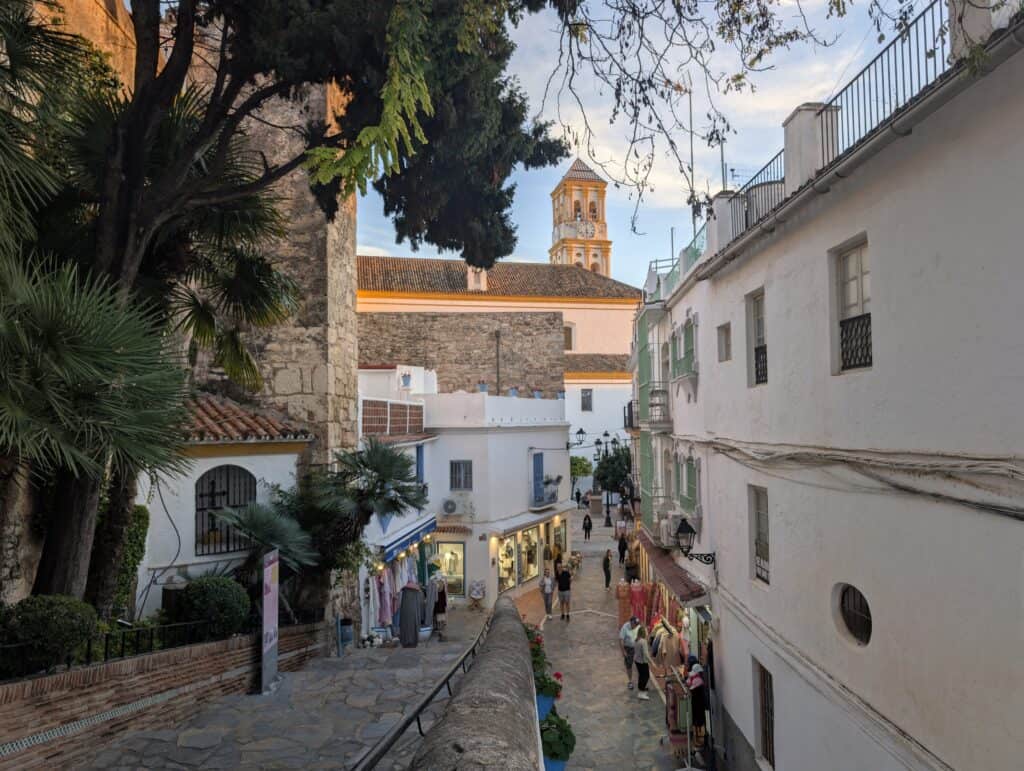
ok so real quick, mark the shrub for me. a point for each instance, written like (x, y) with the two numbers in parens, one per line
(52, 626)
(548, 685)
(134, 551)
(219, 600)
(557, 737)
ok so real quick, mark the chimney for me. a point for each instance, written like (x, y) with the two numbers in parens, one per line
(476, 279)
(720, 225)
(811, 139)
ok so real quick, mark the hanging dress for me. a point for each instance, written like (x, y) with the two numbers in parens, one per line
(409, 617)
(636, 599)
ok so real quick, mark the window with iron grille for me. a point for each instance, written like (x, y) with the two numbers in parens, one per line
(853, 273)
(856, 614)
(223, 487)
(587, 399)
(766, 714)
(758, 338)
(759, 519)
(461, 474)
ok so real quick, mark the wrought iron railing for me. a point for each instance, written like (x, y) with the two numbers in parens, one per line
(760, 195)
(760, 364)
(214, 536)
(897, 76)
(631, 415)
(693, 251)
(671, 272)
(658, 407)
(855, 341)
(762, 565)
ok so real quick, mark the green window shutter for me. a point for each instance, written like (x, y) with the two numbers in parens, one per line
(691, 481)
(688, 339)
(679, 486)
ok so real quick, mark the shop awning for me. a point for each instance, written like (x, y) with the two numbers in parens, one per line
(454, 530)
(678, 580)
(402, 541)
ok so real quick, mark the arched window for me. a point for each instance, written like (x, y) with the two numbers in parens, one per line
(593, 210)
(855, 613)
(577, 210)
(223, 487)
(596, 267)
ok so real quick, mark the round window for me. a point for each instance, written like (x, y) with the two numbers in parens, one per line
(855, 613)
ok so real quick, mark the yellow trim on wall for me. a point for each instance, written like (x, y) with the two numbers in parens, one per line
(245, 448)
(454, 297)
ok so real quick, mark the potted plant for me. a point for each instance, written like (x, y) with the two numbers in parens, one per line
(513, 391)
(481, 386)
(549, 688)
(557, 740)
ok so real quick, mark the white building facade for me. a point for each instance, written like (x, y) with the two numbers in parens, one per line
(828, 394)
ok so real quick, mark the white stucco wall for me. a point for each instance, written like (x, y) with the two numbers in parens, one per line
(171, 549)
(609, 400)
(941, 682)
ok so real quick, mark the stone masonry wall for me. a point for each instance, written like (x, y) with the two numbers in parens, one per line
(461, 347)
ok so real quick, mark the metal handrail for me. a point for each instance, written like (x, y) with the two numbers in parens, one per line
(762, 193)
(376, 753)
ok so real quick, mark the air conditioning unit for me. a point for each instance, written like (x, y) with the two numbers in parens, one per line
(458, 505)
(666, 533)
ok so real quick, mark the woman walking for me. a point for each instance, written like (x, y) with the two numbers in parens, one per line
(547, 588)
(607, 565)
(588, 525)
(642, 661)
(623, 546)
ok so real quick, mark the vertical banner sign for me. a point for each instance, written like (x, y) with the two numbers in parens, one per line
(271, 563)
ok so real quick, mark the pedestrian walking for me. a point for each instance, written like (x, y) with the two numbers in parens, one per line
(642, 659)
(606, 563)
(623, 548)
(547, 589)
(565, 592)
(579, 499)
(588, 525)
(627, 643)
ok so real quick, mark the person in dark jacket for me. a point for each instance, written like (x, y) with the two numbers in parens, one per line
(588, 525)
(623, 548)
(607, 565)
(579, 499)
(564, 592)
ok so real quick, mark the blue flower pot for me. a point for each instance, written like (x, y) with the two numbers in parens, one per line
(544, 705)
(554, 765)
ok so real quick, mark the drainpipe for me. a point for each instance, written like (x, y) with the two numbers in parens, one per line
(497, 361)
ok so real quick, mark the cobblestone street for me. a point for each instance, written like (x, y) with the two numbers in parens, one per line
(614, 730)
(325, 716)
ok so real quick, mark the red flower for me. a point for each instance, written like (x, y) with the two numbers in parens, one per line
(558, 676)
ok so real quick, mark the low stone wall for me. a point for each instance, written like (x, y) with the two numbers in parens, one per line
(63, 719)
(491, 722)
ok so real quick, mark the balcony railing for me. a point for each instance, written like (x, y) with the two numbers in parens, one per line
(762, 193)
(760, 364)
(855, 341)
(671, 272)
(658, 406)
(684, 366)
(631, 415)
(895, 78)
(389, 416)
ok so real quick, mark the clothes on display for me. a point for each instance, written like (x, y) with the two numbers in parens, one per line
(410, 613)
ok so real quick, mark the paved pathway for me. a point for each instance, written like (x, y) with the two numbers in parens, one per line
(325, 716)
(614, 730)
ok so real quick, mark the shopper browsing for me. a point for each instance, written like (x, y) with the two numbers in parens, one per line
(642, 659)
(547, 589)
(627, 642)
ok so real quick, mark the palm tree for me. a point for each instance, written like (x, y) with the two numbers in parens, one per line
(378, 479)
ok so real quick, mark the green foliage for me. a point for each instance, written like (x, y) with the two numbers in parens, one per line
(269, 528)
(377, 479)
(220, 601)
(52, 627)
(134, 551)
(547, 685)
(87, 380)
(351, 557)
(612, 471)
(557, 737)
(579, 467)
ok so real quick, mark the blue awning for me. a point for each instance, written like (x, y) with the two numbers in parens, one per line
(408, 538)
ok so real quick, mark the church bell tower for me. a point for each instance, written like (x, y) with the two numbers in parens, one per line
(580, 233)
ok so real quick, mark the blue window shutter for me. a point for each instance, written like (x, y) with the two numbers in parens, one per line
(538, 477)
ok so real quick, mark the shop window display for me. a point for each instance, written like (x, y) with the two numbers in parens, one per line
(506, 563)
(529, 557)
(453, 567)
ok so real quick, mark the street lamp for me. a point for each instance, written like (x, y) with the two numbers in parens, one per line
(581, 436)
(684, 537)
(604, 449)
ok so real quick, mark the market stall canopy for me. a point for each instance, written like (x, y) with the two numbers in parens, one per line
(414, 534)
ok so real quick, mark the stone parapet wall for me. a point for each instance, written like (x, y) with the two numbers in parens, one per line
(491, 721)
(463, 349)
(162, 688)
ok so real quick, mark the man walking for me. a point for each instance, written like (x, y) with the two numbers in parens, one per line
(565, 591)
(627, 642)
(547, 588)
(579, 498)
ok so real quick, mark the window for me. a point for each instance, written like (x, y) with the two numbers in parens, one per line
(223, 487)
(587, 399)
(461, 474)
(855, 613)
(506, 563)
(854, 288)
(765, 713)
(758, 338)
(577, 211)
(567, 336)
(453, 567)
(724, 342)
(759, 518)
(593, 210)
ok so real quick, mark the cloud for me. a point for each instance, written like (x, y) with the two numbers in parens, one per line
(373, 251)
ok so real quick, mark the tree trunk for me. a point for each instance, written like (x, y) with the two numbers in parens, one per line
(108, 547)
(64, 567)
(20, 547)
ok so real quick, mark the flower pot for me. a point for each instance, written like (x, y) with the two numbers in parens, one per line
(554, 765)
(544, 705)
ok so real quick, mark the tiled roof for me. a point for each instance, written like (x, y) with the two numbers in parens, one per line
(219, 419)
(580, 170)
(679, 581)
(596, 362)
(509, 279)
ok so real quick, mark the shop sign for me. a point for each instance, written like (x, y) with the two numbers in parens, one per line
(271, 564)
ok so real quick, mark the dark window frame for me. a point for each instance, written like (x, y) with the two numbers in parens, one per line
(586, 400)
(460, 475)
(222, 487)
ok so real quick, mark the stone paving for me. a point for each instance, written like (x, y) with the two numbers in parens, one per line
(614, 730)
(325, 716)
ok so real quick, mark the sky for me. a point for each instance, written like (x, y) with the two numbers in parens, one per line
(804, 74)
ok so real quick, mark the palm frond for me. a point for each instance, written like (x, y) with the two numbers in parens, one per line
(272, 529)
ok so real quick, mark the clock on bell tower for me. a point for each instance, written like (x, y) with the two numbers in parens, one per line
(580, 233)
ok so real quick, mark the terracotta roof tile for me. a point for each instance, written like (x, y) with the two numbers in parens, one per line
(596, 362)
(219, 419)
(580, 170)
(678, 580)
(509, 279)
